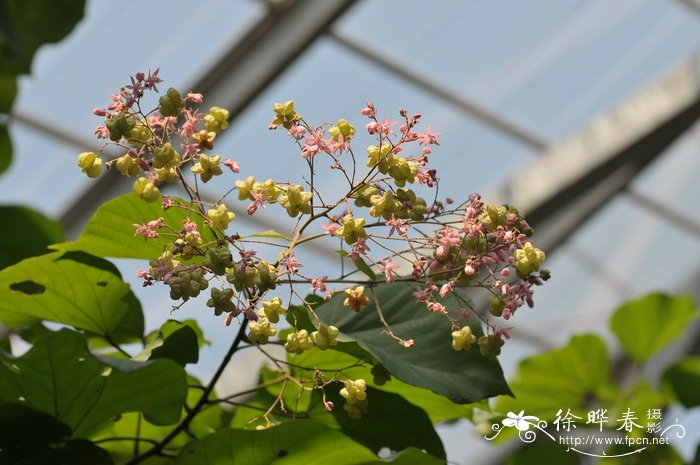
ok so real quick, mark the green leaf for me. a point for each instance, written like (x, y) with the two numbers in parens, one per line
(543, 452)
(683, 379)
(270, 233)
(27, 25)
(645, 326)
(381, 426)
(5, 148)
(130, 425)
(653, 454)
(298, 442)
(30, 235)
(8, 91)
(561, 378)
(72, 288)
(462, 377)
(175, 341)
(110, 232)
(31, 437)
(361, 265)
(61, 377)
(354, 364)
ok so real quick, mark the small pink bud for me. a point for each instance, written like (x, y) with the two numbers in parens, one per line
(329, 406)
(233, 165)
(229, 319)
(99, 111)
(505, 272)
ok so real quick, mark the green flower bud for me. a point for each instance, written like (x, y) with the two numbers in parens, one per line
(217, 120)
(187, 283)
(244, 187)
(382, 158)
(528, 259)
(295, 200)
(171, 103)
(218, 259)
(272, 310)
(90, 164)
(261, 331)
(267, 276)
(463, 339)
(220, 217)
(285, 115)
(166, 174)
(243, 277)
(490, 345)
(128, 165)
(140, 134)
(166, 157)
(268, 188)
(298, 342)
(352, 229)
(325, 337)
(494, 216)
(364, 194)
(208, 167)
(144, 188)
(120, 126)
(221, 301)
(343, 128)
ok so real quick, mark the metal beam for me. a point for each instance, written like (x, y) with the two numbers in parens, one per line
(571, 182)
(498, 122)
(239, 76)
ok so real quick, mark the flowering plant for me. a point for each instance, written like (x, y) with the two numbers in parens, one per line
(394, 318)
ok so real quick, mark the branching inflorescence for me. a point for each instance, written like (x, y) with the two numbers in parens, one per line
(435, 246)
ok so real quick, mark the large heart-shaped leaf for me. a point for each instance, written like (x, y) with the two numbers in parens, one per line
(561, 378)
(431, 363)
(74, 289)
(61, 377)
(31, 437)
(29, 236)
(292, 443)
(645, 326)
(110, 231)
(683, 378)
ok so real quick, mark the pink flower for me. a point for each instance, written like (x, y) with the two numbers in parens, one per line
(359, 248)
(445, 289)
(232, 165)
(102, 132)
(166, 202)
(429, 137)
(319, 284)
(422, 295)
(388, 269)
(397, 225)
(437, 308)
(146, 230)
(331, 227)
(99, 111)
(191, 123)
(297, 132)
(194, 98)
(291, 263)
(260, 199)
(408, 343)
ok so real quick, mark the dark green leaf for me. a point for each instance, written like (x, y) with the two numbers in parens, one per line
(645, 326)
(61, 377)
(683, 378)
(29, 236)
(355, 366)
(8, 91)
(176, 341)
(31, 437)
(391, 421)
(432, 363)
(653, 454)
(110, 232)
(26, 25)
(73, 452)
(73, 288)
(5, 148)
(293, 443)
(561, 378)
(543, 452)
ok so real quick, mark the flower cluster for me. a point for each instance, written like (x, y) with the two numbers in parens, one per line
(437, 247)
